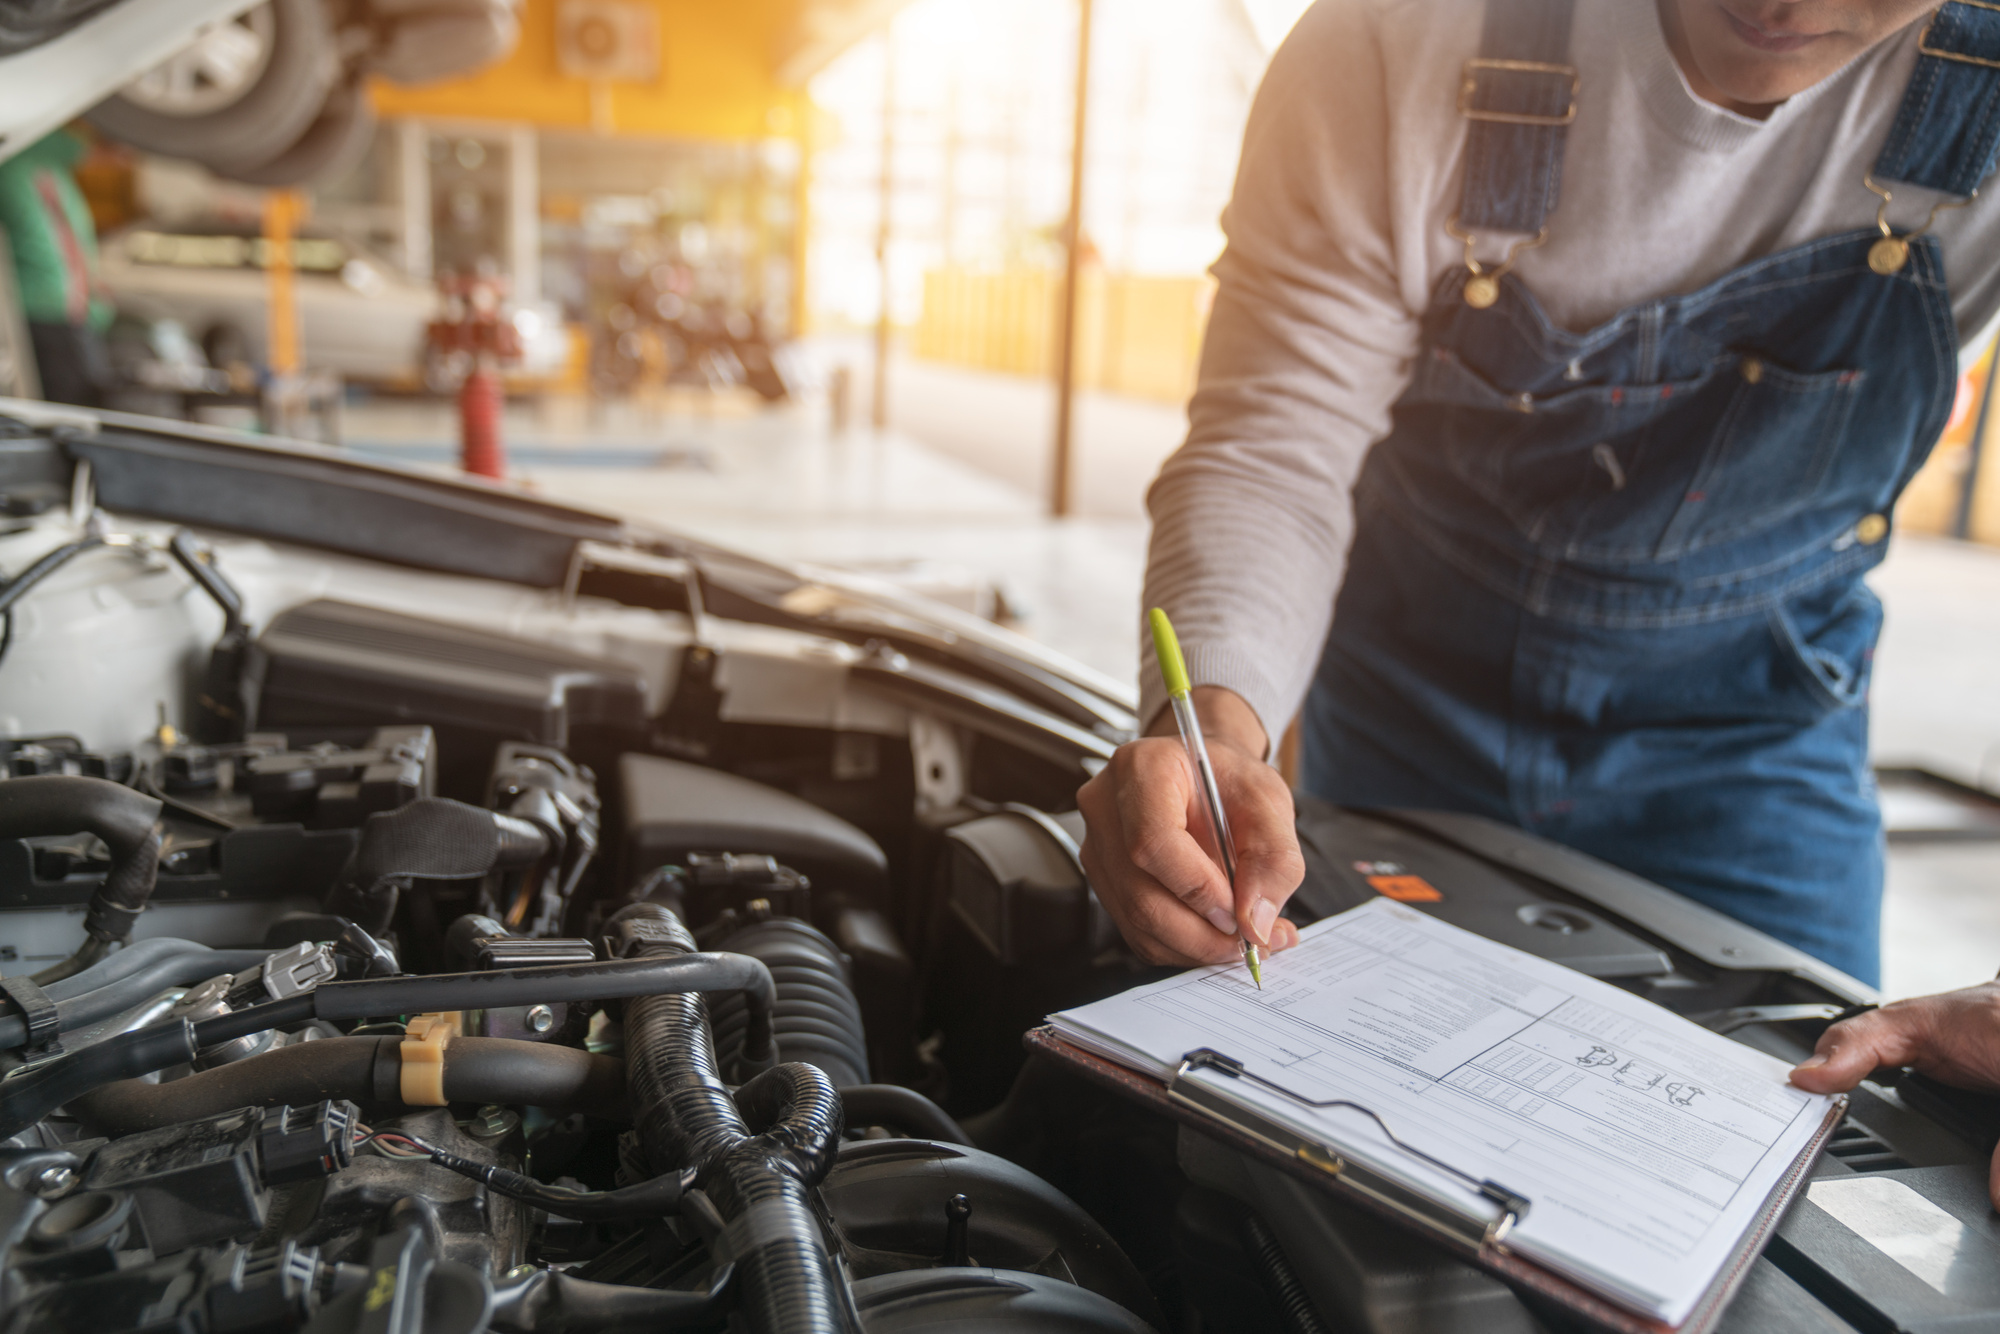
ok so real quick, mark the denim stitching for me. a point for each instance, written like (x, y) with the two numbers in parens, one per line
(1532, 592)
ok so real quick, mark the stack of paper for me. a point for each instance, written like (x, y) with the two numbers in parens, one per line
(1647, 1145)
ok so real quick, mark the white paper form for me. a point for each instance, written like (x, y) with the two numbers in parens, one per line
(1647, 1145)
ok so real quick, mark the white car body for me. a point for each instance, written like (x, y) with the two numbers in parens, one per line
(47, 85)
(365, 321)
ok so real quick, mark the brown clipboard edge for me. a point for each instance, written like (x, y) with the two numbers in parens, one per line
(1495, 1260)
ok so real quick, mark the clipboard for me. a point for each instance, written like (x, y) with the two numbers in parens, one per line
(1482, 1245)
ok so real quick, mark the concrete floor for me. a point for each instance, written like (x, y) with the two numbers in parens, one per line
(949, 499)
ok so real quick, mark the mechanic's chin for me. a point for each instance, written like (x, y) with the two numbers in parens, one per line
(1751, 61)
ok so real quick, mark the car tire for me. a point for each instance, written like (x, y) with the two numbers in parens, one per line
(332, 146)
(272, 112)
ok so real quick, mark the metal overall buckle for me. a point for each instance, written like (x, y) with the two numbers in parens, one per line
(1468, 88)
(1888, 255)
(1482, 286)
(1924, 46)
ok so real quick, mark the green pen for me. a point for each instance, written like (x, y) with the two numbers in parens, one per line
(1173, 669)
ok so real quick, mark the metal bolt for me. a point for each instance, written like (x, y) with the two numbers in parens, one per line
(494, 1121)
(54, 1181)
(540, 1019)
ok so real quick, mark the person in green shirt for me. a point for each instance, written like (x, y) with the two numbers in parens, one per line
(54, 245)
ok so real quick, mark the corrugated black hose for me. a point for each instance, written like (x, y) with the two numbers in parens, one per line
(1280, 1280)
(686, 1117)
(817, 1019)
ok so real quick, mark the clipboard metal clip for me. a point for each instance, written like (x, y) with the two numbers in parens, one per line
(1513, 1205)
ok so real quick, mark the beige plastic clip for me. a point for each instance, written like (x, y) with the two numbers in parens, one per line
(424, 1041)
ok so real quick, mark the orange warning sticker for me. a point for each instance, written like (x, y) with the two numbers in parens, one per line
(1405, 888)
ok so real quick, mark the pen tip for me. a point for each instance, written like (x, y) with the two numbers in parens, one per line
(1254, 963)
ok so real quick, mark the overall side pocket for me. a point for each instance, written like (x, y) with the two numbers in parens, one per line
(1833, 659)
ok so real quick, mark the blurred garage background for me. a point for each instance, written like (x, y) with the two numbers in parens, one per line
(915, 287)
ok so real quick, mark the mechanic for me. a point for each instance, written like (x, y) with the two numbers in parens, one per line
(1596, 343)
(1954, 1038)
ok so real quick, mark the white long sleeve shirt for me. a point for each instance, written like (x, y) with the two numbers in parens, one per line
(1351, 168)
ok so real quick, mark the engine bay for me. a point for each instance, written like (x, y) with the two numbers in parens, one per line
(422, 908)
(413, 1045)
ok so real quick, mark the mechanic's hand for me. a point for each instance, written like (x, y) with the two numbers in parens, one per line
(1953, 1038)
(1148, 852)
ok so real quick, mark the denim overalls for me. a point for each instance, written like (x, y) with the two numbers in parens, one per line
(1608, 586)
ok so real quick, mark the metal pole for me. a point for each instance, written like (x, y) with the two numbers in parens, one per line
(802, 189)
(19, 377)
(1059, 489)
(1961, 524)
(413, 197)
(524, 216)
(283, 210)
(883, 325)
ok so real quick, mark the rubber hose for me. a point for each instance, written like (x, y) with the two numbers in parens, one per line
(364, 1070)
(433, 838)
(18, 587)
(902, 1109)
(552, 1302)
(815, 1018)
(91, 952)
(173, 970)
(616, 979)
(685, 1117)
(32, 1092)
(1280, 1281)
(125, 962)
(517, 842)
(801, 1115)
(125, 820)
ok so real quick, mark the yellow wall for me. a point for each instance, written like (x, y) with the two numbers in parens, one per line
(1135, 335)
(716, 78)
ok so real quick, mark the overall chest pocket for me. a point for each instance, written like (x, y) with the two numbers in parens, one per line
(1635, 474)
(1771, 456)
(1574, 470)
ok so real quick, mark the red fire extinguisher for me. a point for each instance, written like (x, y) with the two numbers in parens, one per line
(474, 326)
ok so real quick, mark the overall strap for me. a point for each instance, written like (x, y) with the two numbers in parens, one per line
(1520, 95)
(1947, 134)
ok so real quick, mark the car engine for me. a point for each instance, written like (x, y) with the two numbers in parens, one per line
(466, 1082)
(424, 907)
(416, 969)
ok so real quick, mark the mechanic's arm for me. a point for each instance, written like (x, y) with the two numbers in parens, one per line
(1309, 343)
(1953, 1038)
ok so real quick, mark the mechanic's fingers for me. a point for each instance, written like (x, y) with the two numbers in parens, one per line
(1269, 865)
(1851, 1050)
(1154, 802)
(1159, 927)
(1174, 933)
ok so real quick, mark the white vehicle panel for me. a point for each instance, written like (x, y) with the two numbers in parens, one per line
(47, 85)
